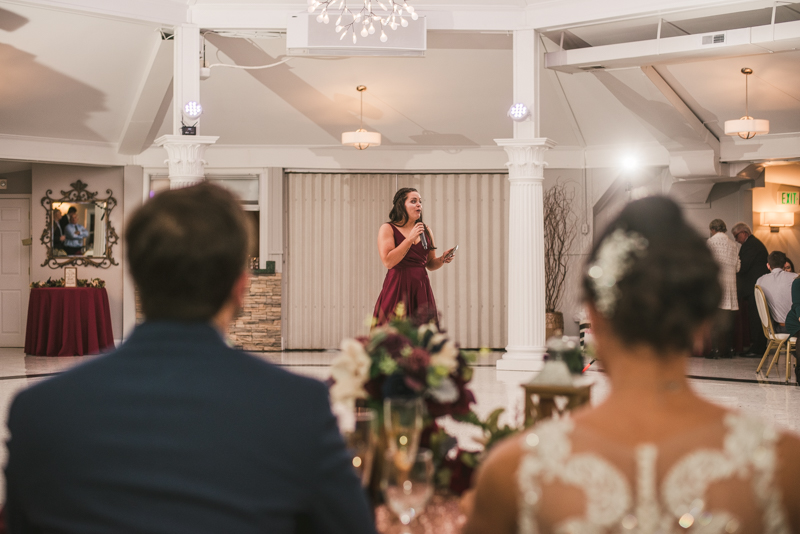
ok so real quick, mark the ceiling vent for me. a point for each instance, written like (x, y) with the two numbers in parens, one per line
(716, 38)
(307, 37)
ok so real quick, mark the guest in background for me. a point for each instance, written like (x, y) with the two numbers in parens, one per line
(793, 322)
(753, 255)
(58, 233)
(175, 431)
(726, 254)
(64, 220)
(75, 234)
(654, 456)
(777, 287)
(789, 267)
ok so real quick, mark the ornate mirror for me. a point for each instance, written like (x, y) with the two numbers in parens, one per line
(78, 228)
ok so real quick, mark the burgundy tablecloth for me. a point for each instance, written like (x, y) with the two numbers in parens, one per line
(68, 322)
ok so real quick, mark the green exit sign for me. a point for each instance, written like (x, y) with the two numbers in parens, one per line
(788, 198)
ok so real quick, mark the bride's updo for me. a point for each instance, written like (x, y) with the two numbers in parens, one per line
(652, 276)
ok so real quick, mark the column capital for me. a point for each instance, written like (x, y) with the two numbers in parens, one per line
(185, 157)
(526, 157)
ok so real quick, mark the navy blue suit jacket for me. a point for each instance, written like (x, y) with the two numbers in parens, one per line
(753, 256)
(175, 432)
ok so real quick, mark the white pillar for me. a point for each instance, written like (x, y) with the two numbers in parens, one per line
(185, 152)
(526, 304)
(186, 73)
(185, 158)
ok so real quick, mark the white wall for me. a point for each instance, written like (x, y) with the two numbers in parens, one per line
(58, 178)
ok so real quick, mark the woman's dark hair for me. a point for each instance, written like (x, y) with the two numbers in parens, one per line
(791, 264)
(668, 289)
(399, 216)
(186, 249)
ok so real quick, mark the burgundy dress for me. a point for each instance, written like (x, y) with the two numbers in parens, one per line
(407, 282)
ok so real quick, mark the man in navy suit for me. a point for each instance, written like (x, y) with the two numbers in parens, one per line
(753, 256)
(175, 432)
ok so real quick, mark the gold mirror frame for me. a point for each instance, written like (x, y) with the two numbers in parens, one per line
(78, 193)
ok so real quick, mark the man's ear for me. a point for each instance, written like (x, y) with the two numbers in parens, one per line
(240, 289)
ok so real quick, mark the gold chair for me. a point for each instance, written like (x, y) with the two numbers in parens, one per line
(774, 340)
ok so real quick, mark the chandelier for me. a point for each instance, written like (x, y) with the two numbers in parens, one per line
(747, 127)
(361, 139)
(364, 15)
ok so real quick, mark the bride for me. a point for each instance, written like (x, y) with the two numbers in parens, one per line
(654, 457)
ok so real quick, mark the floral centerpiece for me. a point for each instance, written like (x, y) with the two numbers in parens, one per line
(407, 359)
(59, 282)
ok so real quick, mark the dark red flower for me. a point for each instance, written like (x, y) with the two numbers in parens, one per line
(460, 407)
(460, 472)
(394, 345)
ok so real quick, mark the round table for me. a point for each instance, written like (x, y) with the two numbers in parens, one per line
(68, 321)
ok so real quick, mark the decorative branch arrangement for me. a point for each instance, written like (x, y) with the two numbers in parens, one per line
(560, 231)
(364, 14)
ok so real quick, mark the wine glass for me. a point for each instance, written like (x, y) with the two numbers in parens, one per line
(402, 419)
(361, 442)
(407, 486)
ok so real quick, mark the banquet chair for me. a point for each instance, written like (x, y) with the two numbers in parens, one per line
(774, 340)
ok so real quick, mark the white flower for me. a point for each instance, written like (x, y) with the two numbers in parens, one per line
(614, 258)
(447, 357)
(446, 392)
(350, 371)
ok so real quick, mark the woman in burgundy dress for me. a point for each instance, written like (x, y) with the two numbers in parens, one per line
(407, 248)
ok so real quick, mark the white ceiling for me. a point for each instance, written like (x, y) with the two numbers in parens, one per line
(76, 74)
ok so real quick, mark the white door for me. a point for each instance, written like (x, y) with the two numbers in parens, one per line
(15, 258)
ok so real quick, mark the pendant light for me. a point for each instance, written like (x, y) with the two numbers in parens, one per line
(361, 139)
(747, 127)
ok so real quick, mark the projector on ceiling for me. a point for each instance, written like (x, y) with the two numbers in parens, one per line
(307, 37)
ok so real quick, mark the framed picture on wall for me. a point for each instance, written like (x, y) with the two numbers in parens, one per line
(70, 276)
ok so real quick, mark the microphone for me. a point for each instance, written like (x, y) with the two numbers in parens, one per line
(423, 240)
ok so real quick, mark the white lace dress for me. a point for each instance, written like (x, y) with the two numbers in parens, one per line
(715, 480)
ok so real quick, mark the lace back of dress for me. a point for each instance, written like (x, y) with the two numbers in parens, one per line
(720, 480)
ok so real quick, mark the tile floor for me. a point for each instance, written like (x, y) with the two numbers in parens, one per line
(732, 383)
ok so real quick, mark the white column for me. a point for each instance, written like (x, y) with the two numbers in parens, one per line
(526, 307)
(186, 73)
(185, 158)
(185, 152)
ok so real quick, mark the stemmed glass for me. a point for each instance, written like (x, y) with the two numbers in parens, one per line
(407, 486)
(361, 442)
(402, 419)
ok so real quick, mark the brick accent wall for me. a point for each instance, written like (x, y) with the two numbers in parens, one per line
(258, 327)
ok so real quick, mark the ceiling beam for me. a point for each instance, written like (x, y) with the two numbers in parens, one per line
(147, 113)
(680, 106)
(751, 41)
(547, 16)
(169, 12)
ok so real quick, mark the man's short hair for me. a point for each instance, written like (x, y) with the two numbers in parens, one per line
(72, 209)
(776, 260)
(186, 249)
(718, 225)
(739, 228)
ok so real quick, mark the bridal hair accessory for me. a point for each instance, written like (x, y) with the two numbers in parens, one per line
(614, 259)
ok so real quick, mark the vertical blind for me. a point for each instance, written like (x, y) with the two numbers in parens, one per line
(334, 274)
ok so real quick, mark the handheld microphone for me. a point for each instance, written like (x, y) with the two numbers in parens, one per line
(422, 239)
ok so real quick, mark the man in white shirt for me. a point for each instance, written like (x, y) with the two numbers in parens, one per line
(726, 253)
(777, 286)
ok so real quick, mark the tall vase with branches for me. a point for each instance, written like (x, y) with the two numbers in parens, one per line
(560, 231)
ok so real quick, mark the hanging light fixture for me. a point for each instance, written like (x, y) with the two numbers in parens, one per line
(366, 17)
(747, 127)
(361, 139)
